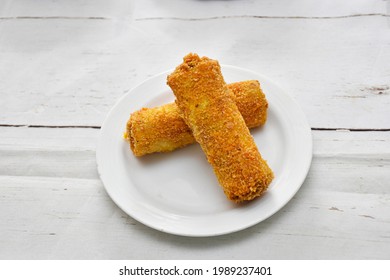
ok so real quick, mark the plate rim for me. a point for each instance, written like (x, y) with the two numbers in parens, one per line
(300, 180)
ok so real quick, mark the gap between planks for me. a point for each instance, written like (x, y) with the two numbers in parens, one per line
(197, 19)
(51, 126)
(99, 127)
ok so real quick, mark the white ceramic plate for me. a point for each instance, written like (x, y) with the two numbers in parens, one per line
(178, 192)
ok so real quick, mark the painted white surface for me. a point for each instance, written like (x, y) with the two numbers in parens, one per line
(60, 67)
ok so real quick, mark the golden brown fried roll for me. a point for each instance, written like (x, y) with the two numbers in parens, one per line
(208, 108)
(161, 129)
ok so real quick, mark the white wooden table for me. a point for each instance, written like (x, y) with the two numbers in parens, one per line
(63, 65)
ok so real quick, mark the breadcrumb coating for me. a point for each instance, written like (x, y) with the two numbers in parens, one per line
(208, 108)
(161, 129)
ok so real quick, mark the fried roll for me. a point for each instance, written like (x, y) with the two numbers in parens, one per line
(208, 108)
(161, 129)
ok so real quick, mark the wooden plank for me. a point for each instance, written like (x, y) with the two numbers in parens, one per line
(74, 218)
(284, 8)
(343, 205)
(344, 143)
(66, 152)
(74, 8)
(178, 8)
(48, 152)
(331, 66)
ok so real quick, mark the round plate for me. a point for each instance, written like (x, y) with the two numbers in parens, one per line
(177, 192)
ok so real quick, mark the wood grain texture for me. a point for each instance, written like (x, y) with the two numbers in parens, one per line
(191, 8)
(81, 77)
(65, 64)
(64, 212)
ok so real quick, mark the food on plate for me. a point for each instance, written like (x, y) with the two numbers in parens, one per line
(208, 108)
(161, 129)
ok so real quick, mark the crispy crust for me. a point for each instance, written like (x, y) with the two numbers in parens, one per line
(161, 129)
(250, 101)
(207, 107)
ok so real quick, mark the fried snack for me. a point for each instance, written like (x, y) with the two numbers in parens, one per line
(161, 129)
(207, 107)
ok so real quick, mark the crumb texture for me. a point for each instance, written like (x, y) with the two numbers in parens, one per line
(208, 108)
